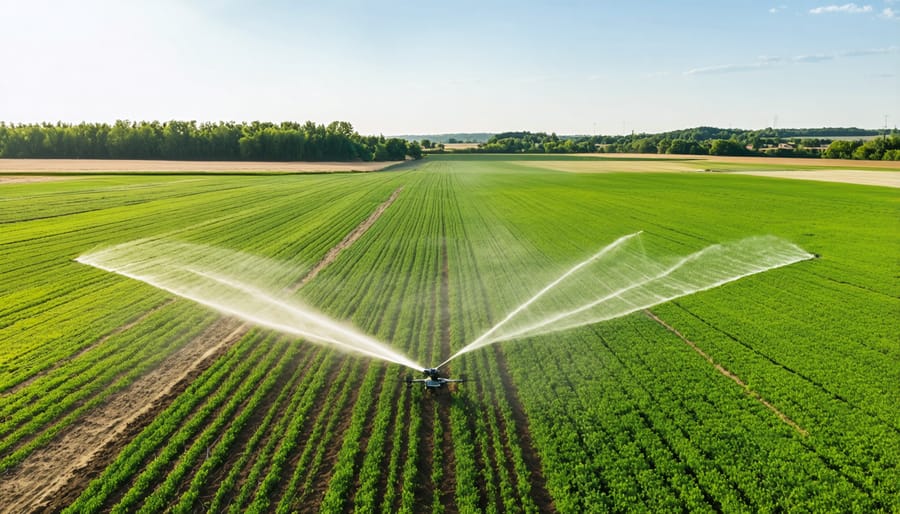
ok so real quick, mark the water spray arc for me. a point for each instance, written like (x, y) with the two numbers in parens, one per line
(619, 279)
(633, 281)
(480, 341)
(191, 272)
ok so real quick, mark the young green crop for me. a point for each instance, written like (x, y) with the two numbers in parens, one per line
(621, 415)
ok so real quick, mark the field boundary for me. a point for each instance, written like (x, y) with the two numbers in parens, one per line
(113, 166)
(721, 369)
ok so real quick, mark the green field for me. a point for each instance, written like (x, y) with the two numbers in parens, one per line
(792, 406)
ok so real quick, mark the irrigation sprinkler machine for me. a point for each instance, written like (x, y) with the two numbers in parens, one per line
(433, 380)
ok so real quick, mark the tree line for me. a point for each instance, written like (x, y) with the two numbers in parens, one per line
(189, 140)
(709, 141)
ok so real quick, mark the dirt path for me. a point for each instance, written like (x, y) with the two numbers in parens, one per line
(53, 476)
(750, 392)
(350, 238)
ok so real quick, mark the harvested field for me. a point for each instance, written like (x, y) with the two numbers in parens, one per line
(13, 179)
(616, 166)
(876, 173)
(459, 146)
(869, 178)
(117, 166)
(768, 161)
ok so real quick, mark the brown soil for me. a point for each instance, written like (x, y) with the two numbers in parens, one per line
(53, 476)
(753, 394)
(351, 238)
(113, 165)
(539, 492)
(448, 487)
(333, 445)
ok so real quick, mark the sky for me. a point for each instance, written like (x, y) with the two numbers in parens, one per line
(429, 67)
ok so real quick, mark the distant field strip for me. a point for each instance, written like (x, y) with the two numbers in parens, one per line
(38, 166)
(616, 166)
(868, 178)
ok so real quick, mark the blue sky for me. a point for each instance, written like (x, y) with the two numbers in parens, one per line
(462, 66)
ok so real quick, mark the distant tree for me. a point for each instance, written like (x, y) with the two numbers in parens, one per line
(841, 149)
(414, 150)
(426, 143)
(726, 147)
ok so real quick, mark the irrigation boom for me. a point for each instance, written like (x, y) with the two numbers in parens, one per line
(433, 379)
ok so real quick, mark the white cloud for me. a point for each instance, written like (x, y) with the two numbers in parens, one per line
(870, 51)
(776, 10)
(728, 68)
(765, 62)
(850, 8)
(813, 58)
(889, 13)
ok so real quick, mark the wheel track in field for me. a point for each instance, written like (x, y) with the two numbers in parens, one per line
(372, 415)
(721, 369)
(539, 492)
(348, 240)
(322, 472)
(54, 475)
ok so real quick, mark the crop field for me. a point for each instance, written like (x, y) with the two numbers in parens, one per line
(776, 392)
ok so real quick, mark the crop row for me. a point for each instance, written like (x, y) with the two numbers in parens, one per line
(618, 416)
(627, 415)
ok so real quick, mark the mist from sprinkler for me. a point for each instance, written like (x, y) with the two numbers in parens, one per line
(622, 278)
(209, 276)
(619, 279)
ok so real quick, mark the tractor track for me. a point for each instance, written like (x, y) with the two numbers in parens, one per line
(348, 240)
(54, 475)
(448, 487)
(721, 369)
